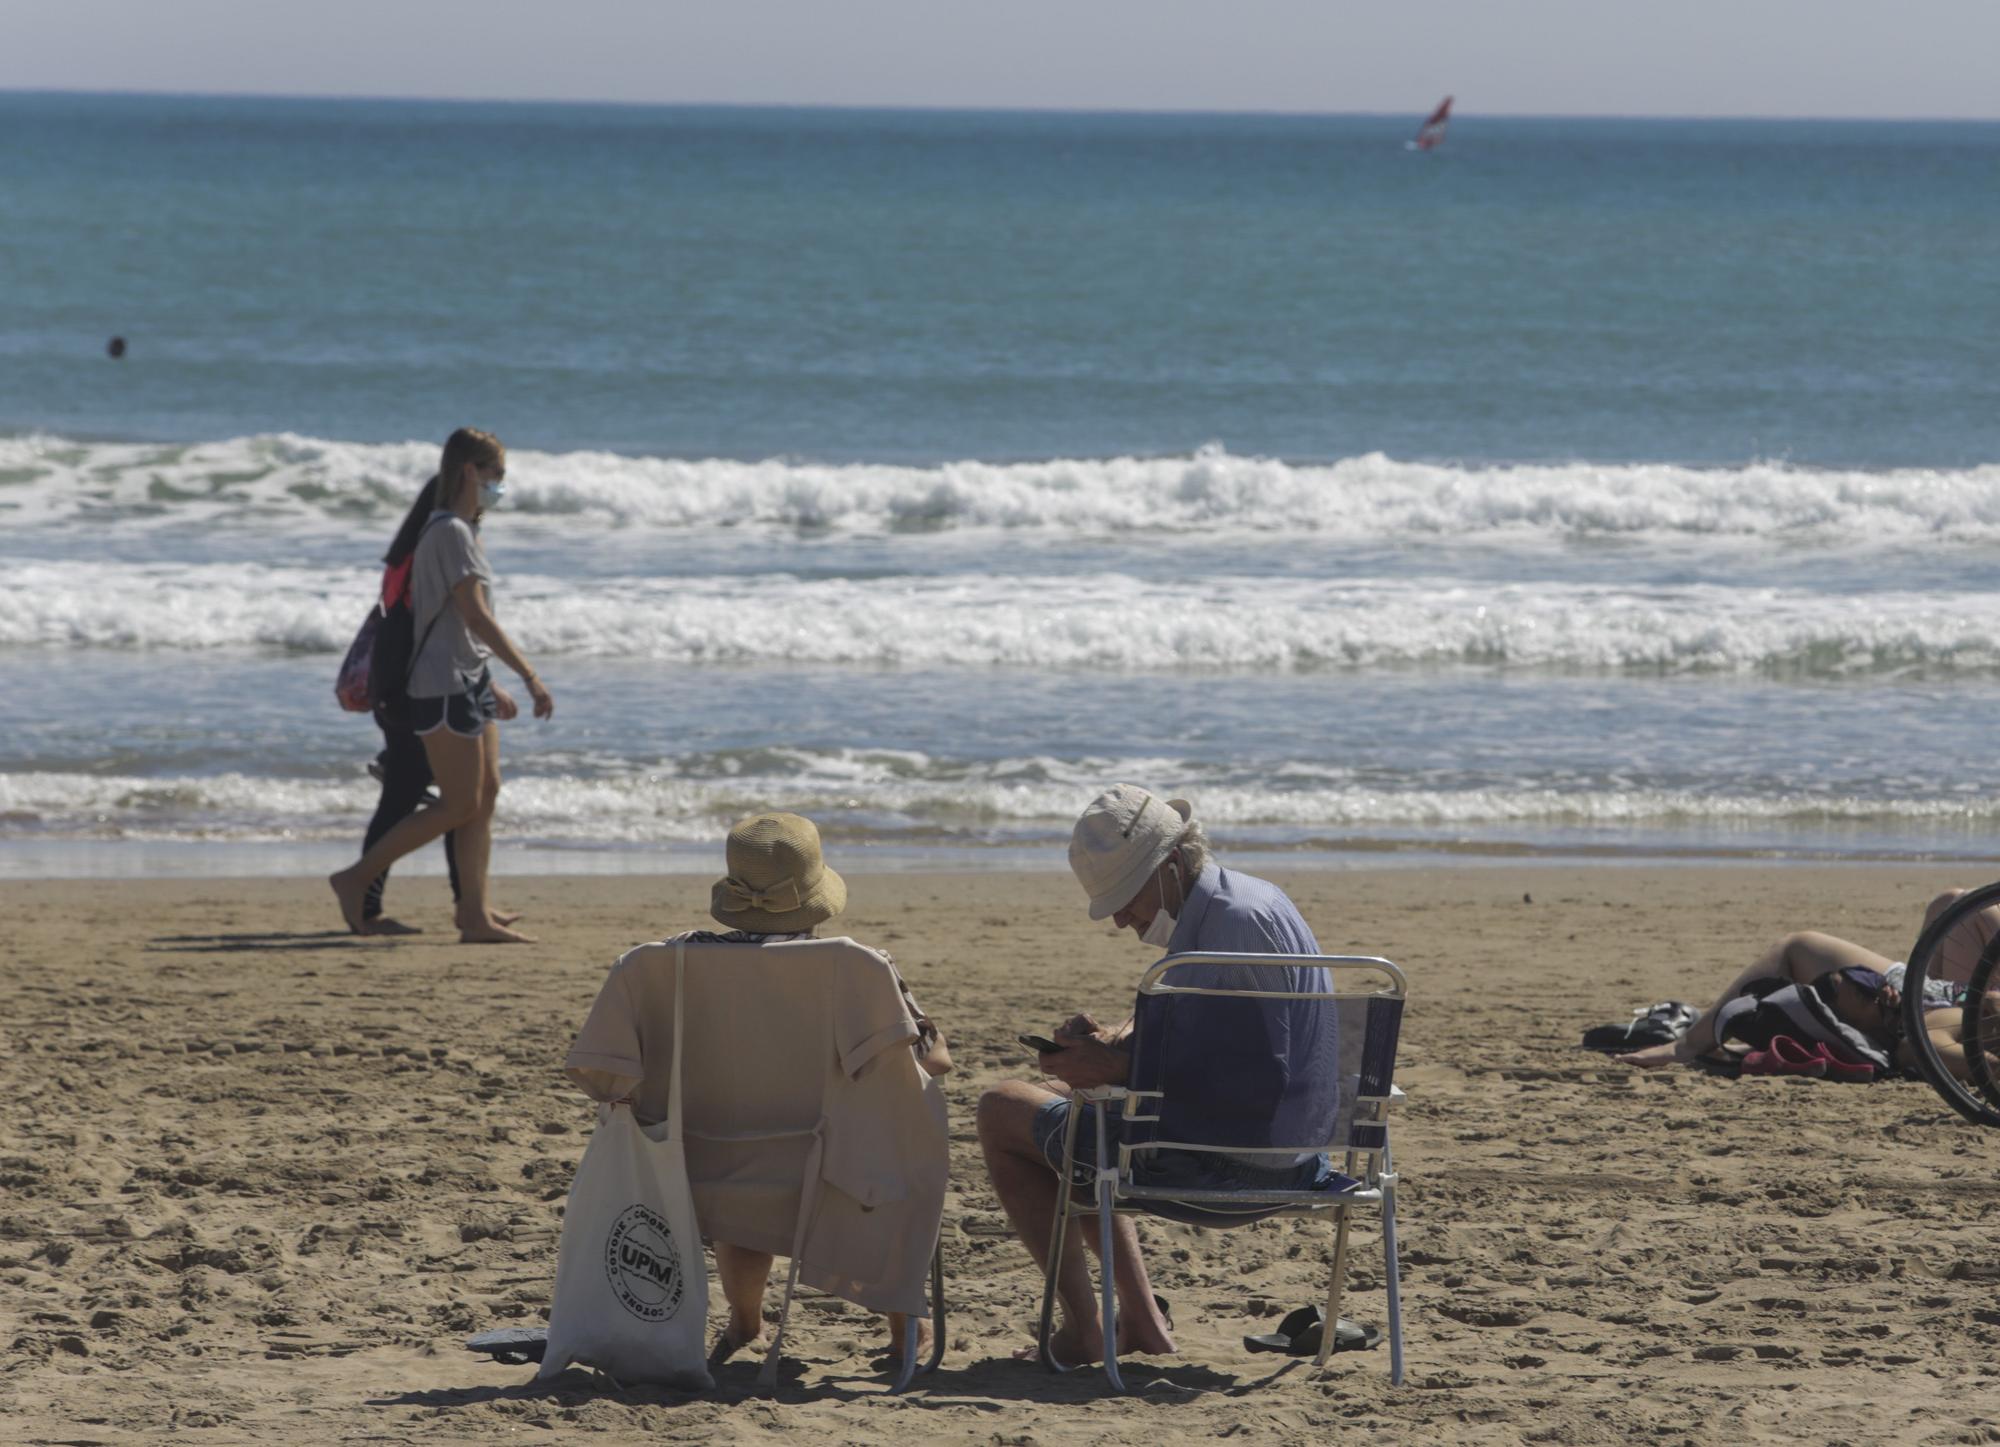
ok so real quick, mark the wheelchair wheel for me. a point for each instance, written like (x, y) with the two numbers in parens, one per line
(1980, 1030)
(1967, 1099)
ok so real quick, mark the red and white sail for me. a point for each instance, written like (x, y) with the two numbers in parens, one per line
(1430, 135)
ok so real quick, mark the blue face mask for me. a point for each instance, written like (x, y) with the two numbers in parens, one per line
(492, 490)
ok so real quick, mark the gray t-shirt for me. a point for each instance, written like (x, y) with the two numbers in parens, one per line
(450, 659)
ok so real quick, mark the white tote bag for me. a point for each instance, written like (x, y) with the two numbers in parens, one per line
(631, 1280)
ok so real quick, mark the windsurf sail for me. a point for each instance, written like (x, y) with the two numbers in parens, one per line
(1430, 135)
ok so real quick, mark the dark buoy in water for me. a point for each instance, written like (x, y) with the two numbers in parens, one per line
(115, 348)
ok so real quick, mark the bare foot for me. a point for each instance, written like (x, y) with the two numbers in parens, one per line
(383, 925)
(491, 932)
(898, 1329)
(734, 1338)
(1069, 1346)
(1147, 1338)
(1150, 1337)
(352, 892)
(1653, 1057)
(505, 917)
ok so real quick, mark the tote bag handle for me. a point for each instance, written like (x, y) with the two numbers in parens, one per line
(675, 1115)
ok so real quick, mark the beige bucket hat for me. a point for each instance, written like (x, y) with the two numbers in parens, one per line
(1125, 834)
(777, 882)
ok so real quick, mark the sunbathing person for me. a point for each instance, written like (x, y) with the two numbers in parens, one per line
(1862, 988)
(1145, 865)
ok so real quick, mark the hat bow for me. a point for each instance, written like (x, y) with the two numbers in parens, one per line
(779, 898)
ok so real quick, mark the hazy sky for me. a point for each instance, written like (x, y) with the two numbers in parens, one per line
(1660, 57)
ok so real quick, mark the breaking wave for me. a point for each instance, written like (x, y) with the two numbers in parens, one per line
(289, 482)
(907, 798)
(1104, 621)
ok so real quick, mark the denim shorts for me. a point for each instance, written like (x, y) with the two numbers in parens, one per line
(1193, 1170)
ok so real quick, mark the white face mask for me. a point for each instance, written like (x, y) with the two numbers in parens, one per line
(492, 491)
(1161, 930)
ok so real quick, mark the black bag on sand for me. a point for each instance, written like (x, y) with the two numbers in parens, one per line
(1662, 1024)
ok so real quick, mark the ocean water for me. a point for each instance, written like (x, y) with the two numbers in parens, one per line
(1611, 488)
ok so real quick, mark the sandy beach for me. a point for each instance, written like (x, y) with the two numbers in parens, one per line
(258, 1179)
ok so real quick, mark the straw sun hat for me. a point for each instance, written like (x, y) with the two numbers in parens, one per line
(1125, 834)
(777, 882)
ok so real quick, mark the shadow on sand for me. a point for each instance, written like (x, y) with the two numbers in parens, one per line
(260, 941)
(987, 1385)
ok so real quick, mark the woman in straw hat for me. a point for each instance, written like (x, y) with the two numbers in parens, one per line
(779, 888)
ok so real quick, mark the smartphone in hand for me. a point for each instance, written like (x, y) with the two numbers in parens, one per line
(1040, 1043)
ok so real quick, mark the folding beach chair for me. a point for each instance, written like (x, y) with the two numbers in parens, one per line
(1342, 1110)
(755, 1137)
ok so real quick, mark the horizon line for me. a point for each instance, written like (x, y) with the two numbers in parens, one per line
(921, 108)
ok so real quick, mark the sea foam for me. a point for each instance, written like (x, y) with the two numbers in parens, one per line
(1106, 621)
(285, 482)
(974, 804)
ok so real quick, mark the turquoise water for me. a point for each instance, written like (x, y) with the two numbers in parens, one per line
(924, 286)
(1585, 485)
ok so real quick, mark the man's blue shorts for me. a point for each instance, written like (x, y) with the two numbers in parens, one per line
(1194, 1170)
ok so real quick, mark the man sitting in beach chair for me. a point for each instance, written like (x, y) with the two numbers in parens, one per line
(1145, 864)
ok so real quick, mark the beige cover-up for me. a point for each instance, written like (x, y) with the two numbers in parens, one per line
(811, 1131)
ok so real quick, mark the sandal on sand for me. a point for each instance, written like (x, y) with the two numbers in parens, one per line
(1785, 1056)
(1839, 1067)
(1815, 1058)
(513, 1346)
(1299, 1335)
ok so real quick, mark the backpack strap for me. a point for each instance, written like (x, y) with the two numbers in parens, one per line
(418, 652)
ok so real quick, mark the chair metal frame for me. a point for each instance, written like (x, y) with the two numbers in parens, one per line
(907, 1370)
(907, 1373)
(767, 1374)
(1361, 1138)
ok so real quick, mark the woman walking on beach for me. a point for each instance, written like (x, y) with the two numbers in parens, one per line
(402, 768)
(454, 703)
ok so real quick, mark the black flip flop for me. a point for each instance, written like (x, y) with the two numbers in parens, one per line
(1299, 1335)
(513, 1346)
